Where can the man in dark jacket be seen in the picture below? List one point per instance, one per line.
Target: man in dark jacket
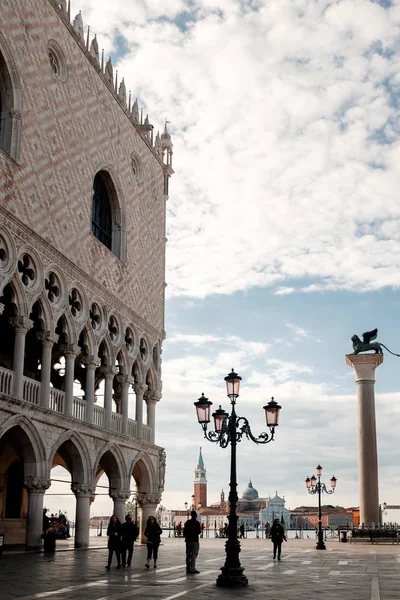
(129, 534)
(191, 532)
(277, 535)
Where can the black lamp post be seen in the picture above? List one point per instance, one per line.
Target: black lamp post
(316, 487)
(229, 429)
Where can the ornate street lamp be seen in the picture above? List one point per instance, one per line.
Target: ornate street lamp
(229, 429)
(316, 487)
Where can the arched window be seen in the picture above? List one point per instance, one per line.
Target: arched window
(10, 102)
(5, 106)
(106, 215)
(102, 211)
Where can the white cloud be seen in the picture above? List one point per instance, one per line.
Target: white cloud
(280, 118)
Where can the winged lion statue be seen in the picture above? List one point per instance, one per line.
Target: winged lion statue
(367, 343)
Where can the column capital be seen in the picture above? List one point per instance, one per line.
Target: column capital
(364, 365)
(36, 485)
(140, 388)
(120, 495)
(148, 499)
(83, 490)
(121, 378)
(2, 307)
(153, 396)
(70, 349)
(21, 323)
(91, 361)
(47, 337)
(108, 372)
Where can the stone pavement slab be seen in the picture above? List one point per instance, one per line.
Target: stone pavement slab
(342, 572)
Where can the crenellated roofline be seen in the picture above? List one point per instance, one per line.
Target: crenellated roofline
(160, 145)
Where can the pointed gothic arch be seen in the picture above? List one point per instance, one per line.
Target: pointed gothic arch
(10, 102)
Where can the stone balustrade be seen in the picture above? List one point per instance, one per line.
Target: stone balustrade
(31, 394)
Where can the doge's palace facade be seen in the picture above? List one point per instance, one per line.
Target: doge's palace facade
(83, 187)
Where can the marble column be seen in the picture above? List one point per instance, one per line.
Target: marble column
(71, 351)
(48, 339)
(139, 389)
(120, 497)
(91, 363)
(108, 374)
(151, 401)
(36, 488)
(125, 381)
(148, 504)
(83, 494)
(21, 326)
(364, 366)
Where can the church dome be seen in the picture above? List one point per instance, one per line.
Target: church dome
(250, 493)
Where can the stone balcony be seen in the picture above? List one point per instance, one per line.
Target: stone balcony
(31, 394)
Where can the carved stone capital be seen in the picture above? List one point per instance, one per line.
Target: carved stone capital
(123, 495)
(83, 490)
(91, 361)
(152, 397)
(124, 379)
(140, 388)
(36, 485)
(20, 323)
(364, 365)
(47, 337)
(148, 499)
(2, 307)
(108, 372)
(70, 349)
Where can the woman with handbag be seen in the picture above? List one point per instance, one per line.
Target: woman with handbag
(153, 534)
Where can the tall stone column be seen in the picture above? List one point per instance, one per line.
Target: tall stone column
(91, 362)
(83, 494)
(21, 326)
(120, 497)
(36, 488)
(139, 389)
(108, 374)
(71, 351)
(148, 504)
(48, 339)
(125, 381)
(151, 401)
(364, 366)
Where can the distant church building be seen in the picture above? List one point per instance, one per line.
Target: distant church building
(275, 509)
(215, 515)
(83, 188)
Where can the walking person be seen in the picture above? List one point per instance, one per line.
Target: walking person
(114, 541)
(191, 532)
(153, 534)
(277, 535)
(129, 534)
(241, 530)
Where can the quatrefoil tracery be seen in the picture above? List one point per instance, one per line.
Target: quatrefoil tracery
(113, 328)
(129, 340)
(75, 302)
(143, 349)
(95, 317)
(26, 270)
(53, 290)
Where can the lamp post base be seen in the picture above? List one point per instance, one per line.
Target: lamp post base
(232, 578)
(320, 546)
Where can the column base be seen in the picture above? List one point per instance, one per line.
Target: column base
(320, 546)
(81, 545)
(33, 548)
(232, 578)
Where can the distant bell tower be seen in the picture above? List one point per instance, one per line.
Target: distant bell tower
(200, 483)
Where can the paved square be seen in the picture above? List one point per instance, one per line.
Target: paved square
(342, 572)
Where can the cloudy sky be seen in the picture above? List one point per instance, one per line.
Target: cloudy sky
(283, 223)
